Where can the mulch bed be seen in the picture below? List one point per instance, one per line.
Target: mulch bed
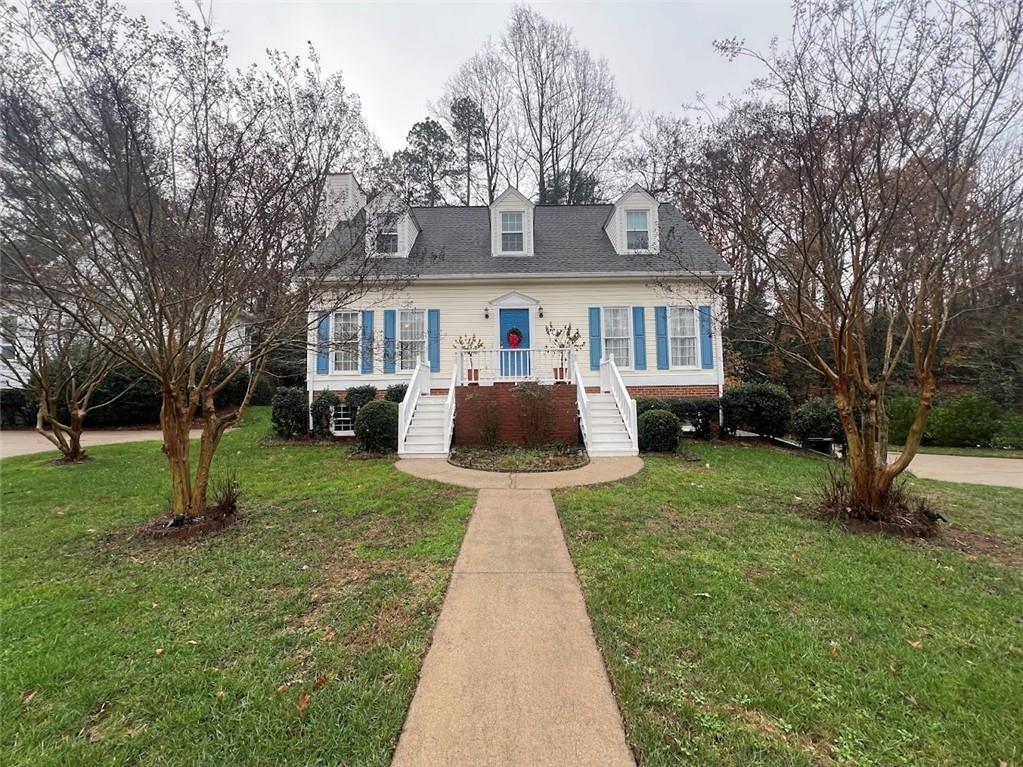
(510, 458)
(177, 528)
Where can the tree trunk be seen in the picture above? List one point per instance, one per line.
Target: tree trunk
(175, 420)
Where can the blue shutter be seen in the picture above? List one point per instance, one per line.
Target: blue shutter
(594, 338)
(433, 338)
(367, 342)
(706, 339)
(661, 326)
(323, 343)
(389, 341)
(639, 337)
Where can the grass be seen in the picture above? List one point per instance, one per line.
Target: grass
(969, 452)
(739, 631)
(119, 651)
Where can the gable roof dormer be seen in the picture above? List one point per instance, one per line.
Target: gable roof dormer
(391, 227)
(511, 224)
(633, 225)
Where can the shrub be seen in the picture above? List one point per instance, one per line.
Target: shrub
(650, 403)
(396, 392)
(376, 426)
(659, 431)
(16, 408)
(1010, 433)
(901, 413)
(701, 413)
(289, 412)
(322, 412)
(964, 421)
(761, 408)
(358, 396)
(817, 417)
(536, 412)
(140, 404)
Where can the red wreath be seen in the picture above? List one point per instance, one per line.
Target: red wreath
(514, 338)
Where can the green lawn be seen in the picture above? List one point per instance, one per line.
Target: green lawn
(329, 587)
(738, 631)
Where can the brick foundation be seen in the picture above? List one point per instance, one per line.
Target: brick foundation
(474, 405)
(688, 391)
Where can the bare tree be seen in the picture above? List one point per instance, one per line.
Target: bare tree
(59, 365)
(184, 202)
(892, 148)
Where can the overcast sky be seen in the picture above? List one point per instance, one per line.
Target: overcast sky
(397, 56)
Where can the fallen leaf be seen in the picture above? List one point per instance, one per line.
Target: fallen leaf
(703, 594)
(329, 634)
(192, 641)
(27, 697)
(159, 651)
(220, 694)
(915, 645)
(322, 681)
(834, 652)
(282, 689)
(303, 702)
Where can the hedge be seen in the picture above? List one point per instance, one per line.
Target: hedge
(321, 414)
(289, 412)
(817, 417)
(966, 421)
(659, 431)
(357, 396)
(762, 408)
(376, 426)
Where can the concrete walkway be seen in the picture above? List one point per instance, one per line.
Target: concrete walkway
(598, 470)
(1007, 472)
(513, 677)
(26, 441)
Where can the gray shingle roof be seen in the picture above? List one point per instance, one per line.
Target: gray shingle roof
(455, 241)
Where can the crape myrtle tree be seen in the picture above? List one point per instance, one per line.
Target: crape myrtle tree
(184, 202)
(60, 366)
(889, 154)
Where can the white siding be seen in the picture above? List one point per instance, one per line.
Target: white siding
(563, 301)
(615, 228)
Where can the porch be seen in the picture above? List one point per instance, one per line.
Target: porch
(479, 385)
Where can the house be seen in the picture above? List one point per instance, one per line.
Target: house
(634, 277)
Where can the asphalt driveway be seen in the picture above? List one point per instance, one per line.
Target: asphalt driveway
(1007, 472)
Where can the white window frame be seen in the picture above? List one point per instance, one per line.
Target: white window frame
(521, 231)
(389, 226)
(696, 339)
(646, 214)
(342, 417)
(400, 339)
(8, 337)
(630, 338)
(336, 343)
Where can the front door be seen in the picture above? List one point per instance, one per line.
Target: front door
(515, 343)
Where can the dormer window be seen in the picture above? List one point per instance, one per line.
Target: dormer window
(637, 230)
(511, 232)
(387, 237)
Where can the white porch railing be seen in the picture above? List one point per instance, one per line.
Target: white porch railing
(485, 366)
(582, 401)
(611, 381)
(449, 403)
(417, 385)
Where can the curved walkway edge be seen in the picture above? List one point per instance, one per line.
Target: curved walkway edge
(514, 677)
(597, 471)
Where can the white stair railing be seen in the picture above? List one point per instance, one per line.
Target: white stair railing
(449, 402)
(417, 385)
(611, 380)
(582, 401)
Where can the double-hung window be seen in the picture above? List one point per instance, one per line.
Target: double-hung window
(8, 337)
(511, 232)
(637, 230)
(387, 236)
(617, 336)
(682, 337)
(411, 338)
(346, 342)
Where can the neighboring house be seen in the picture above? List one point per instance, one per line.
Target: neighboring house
(634, 277)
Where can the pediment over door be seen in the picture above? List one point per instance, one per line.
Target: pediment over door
(514, 299)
